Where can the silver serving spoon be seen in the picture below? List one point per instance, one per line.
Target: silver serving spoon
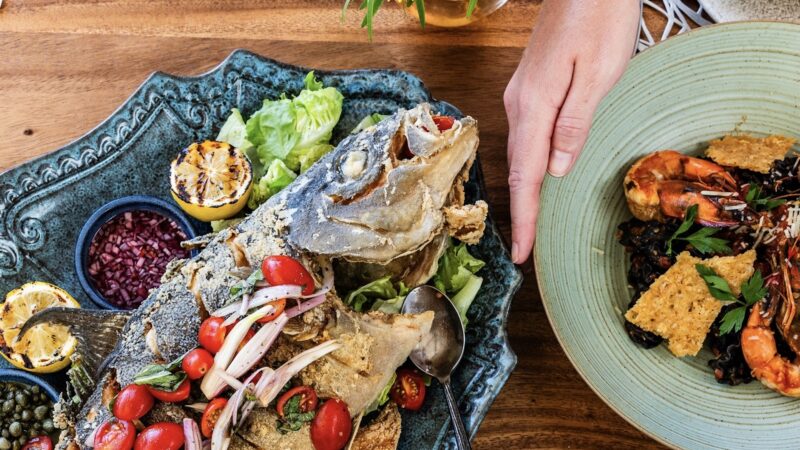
(440, 350)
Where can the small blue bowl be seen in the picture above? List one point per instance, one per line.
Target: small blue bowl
(109, 211)
(22, 377)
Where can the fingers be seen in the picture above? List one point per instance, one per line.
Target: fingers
(574, 121)
(531, 120)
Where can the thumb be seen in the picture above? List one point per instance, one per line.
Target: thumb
(572, 125)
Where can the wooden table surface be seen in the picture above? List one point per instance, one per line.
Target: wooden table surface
(66, 65)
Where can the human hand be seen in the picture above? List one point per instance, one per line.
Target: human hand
(577, 52)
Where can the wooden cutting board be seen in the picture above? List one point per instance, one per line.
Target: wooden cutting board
(66, 65)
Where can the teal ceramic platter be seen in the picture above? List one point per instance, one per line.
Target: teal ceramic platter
(679, 95)
(45, 202)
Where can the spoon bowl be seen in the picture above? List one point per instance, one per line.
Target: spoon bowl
(441, 349)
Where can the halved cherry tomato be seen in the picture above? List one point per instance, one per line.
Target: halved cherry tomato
(211, 415)
(133, 402)
(39, 443)
(443, 123)
(115, 435)
(279, 270)
(308, 399)
(212, 334)
(331, 427)
(408, 390)
(178, 395)
(197, 362)
(279, 306)
(160, 436)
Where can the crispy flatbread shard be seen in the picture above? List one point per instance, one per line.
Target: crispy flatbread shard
(382, 434)
(747, 152)
(678, 305)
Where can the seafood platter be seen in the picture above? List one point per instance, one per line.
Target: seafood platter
(683, 314)
(223, 263)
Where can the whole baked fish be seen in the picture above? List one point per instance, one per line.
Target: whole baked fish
(382, 202)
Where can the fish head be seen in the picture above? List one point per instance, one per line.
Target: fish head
(380, 195)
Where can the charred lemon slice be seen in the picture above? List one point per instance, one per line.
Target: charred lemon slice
(211, 180)
(44, 348)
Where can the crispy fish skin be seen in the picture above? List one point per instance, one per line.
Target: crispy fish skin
(386, 208)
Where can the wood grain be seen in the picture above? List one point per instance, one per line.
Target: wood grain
(67, 65)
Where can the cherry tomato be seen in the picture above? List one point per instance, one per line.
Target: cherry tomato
(160, 436)
(308, 399)
(211, 415)
(443, 123)
(279, 306)
(39, 443)
(179, 395)
(133, 402)
(197, 362)
(115, 435)
(408, 390)
(331, 427)
(286, 270)
(212, 334)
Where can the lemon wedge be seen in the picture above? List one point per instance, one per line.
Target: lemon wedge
(45, 348)
(211, 180)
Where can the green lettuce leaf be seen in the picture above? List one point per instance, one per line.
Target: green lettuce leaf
(464, 298)
(234, 131)
(303, 158)
(383, 397)
(367, 122)
(278, 176)
(379, 295)
(456, 266)
(297, 126)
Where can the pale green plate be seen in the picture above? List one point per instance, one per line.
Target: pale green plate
(679, 95)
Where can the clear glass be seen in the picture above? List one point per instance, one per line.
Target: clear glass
(453, 13)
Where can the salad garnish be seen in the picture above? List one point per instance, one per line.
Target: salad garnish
(702, 240)
(752, 291)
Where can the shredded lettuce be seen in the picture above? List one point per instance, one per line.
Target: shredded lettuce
(383, 397)
(379, 295)
(219, 225)
(278, 176)
(367, 122)
(456, 277)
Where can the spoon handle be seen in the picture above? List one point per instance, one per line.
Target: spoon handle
(458, 426)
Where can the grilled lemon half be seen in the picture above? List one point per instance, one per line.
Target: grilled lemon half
(211, 180)
(45, 348)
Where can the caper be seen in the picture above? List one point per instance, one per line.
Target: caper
(37, 426)
(8, 405)
(47, 425)
(15, 429)
(5, 432)
(5, 444)
(35, 389)
(27, 415)
(16, 445)
(22, 399)
(16, 416)
(41, 412)
(22, 440)
(17, 408)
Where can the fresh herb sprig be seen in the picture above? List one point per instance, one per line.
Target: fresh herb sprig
(246, 286)
(757, 200)
(702, 240)
(164, 377)
(752, 290)
(293, 417)
(371, 7)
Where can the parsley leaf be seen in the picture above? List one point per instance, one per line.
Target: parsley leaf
(701, 239)
(733, 320)
(717, 285)
(757, 200)
(293, 417)
(753, 290)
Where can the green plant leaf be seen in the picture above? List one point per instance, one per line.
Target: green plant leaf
(733, 320)
(471, 8)
(705, 244)
(757, 200)
(344, 8)
(688, 221)
(421, 11)
(717, 285)
(753, 289)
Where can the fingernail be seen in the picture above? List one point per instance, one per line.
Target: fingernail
(514, 252)
(559, 163)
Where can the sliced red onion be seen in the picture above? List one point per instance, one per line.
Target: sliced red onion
(257, 347)
(198, 406)
(212, 381)
(305, 306)
(243, 308)
(191, 435)
(261, 297)
(269, 387)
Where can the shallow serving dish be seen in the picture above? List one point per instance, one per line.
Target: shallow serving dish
(22, 377)
(678, 95)
(44, 203)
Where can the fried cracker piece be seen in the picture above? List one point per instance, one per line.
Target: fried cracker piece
(678, 305)
(468, 222)
(382, 434)
(747, 152)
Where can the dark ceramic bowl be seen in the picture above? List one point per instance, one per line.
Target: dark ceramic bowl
(109, 211)
(22, 377)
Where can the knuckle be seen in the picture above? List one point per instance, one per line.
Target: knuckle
(518, 181)
(569, 132)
